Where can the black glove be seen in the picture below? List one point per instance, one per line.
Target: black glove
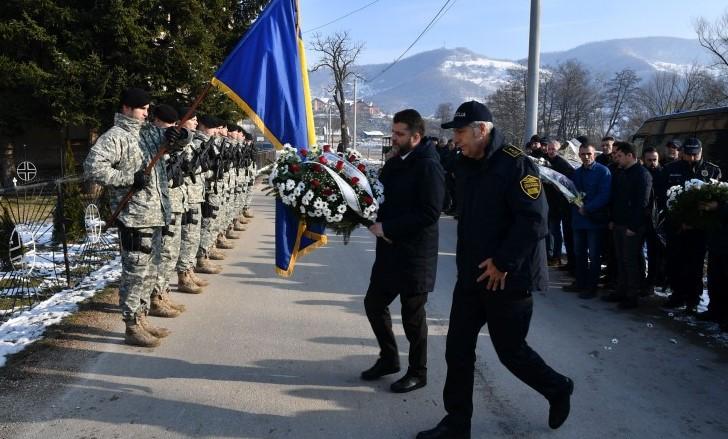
(173, 135)
(140, 180)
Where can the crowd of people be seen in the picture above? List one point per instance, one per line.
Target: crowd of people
(622, 245)
(184, 209)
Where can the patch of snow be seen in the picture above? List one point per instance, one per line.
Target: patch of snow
(29, 326)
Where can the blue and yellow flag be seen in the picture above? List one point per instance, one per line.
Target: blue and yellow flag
(267, 76)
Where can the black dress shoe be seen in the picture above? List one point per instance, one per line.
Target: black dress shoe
(408, 383)
(379, 369)
(708, 316)
(613, 297)
(443, 431)
(573, 288)
(629, 303)
(560, 407)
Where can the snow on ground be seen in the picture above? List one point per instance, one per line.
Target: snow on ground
(29, 326)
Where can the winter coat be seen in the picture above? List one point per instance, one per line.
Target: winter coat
(595, 181)
(502, 215)
(414, 189)
(631, 190)
(124, 149)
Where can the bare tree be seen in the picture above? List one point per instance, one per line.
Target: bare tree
(443, 114)
(508, 104)
(671, 92)
(618, 96)
(338, 55)
(714, 37)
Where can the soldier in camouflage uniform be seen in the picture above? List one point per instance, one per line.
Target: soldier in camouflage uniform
(162, 305)
(252, 170)
(208, 126)
(117, 160)
(187, 280)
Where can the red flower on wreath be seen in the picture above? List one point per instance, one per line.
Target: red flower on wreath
(294, 168)
(315, 183)
(327, 191)
(369, 200)
(303, 152)
(339, 165)
(355, 180)
(317, 167)
(361, 167)
(322, 160)
(352, 158)
(327, 148)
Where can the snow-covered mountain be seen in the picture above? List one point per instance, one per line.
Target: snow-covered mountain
(425, 80)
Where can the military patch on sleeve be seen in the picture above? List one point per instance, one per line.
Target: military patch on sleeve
(512, 151)
(531, 186)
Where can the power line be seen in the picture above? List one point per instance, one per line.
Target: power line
(342, 17)
(437, 16)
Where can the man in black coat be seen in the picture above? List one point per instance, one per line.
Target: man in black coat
(407, 243)
(631, 189)
(501, 258)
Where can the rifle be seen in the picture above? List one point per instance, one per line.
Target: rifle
(162, 150)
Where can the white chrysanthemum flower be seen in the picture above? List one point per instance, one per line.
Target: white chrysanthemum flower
(286, 200)
(341, 208)
(303, 209)
(290, 184)
(332, 198)
(319, 203)
(301, 186)
(318, 212)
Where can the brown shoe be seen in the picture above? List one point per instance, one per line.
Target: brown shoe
(160, 308)
(230, 234)
(186, 285)
(204, 266)
(247, 214)
(223, 244)
(156, 331)
(238, 227)
(243, 220)
(167, 298)
(136, 335)
(216, 255)
(198, 280)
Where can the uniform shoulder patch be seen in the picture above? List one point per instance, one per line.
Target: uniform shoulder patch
(531, 186)
(512, 151)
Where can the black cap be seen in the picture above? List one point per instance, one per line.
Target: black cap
(674, 143)
(183, 111)
(467, 113)
(135, 98)
(166, 113)
(692, 145)
(207, 121)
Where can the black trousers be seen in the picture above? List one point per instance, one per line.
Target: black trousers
(376, 304)
(655, 258)
(628, 254)
(718, 284)
(686, 258)
(508, 315)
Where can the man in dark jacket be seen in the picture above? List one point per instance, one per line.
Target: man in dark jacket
(655, 248)
(631, 190)
(717, 267)
(558, 208)
(407, 242)
(686, 247)
(501, 258)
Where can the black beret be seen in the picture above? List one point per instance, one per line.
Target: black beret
(166, 113)
(135, 98)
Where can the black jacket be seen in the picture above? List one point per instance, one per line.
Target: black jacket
(414, 189)
(676, 173)
(631, 190)
(503, 215)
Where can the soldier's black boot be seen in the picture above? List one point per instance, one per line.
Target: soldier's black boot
(561, 406)
(444, 431)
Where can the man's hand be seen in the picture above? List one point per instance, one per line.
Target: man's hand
(173, 135)
(628, 232)
(610, 225)
(708, 205)
(582, 211)
(496, 278)
(140, 180)
(378, 231)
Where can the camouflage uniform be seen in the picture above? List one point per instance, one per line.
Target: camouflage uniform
(195, 198)
(171, 237)
(211, 211)
(112, 161)
(252, 168)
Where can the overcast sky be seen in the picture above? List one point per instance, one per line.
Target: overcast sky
(498, 28)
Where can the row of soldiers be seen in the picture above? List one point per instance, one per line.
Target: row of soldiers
(187, 207)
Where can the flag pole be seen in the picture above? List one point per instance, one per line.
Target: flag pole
(162, 150)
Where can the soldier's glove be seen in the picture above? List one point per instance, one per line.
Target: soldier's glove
(140, 180)
(173, 136)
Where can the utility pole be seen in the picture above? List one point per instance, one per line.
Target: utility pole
(534, 54)
(355, 112)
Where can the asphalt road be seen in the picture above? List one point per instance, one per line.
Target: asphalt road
(257, 356)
